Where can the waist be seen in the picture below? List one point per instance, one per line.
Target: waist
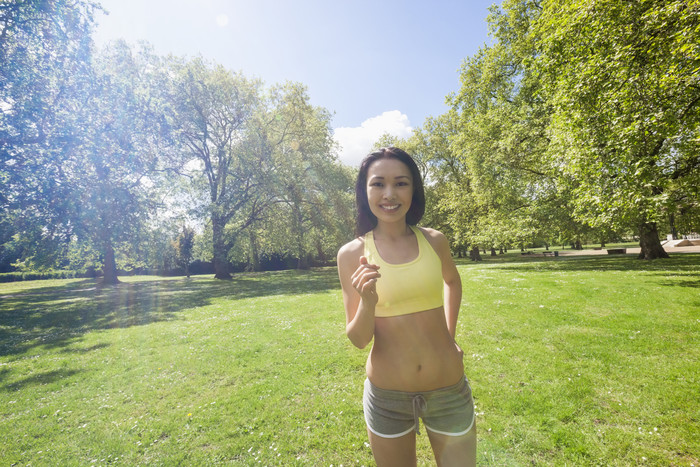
(414, 353)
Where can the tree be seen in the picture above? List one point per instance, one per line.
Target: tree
(120, 153)
(500, 117)
(45, 52)
(623, 77)
(211, 111)
(80, 133)
(308, 183)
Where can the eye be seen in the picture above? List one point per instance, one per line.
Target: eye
(378, 184)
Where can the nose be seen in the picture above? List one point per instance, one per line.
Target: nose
(389, 192)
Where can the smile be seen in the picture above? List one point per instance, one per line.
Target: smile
(392, 207)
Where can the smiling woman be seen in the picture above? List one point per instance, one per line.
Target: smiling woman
(393, 277)
(389, 164)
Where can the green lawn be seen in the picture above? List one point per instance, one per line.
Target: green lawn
(573, 361)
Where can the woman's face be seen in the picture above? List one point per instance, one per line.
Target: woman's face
(389, 189)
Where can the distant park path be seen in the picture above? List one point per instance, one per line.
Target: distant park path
(630, 251)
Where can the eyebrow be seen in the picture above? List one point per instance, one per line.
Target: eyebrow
(382, 178)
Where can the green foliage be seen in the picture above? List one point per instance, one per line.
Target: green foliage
(79, 133)
(96, 178)
(579, 119)
(507, 192)
(212, 116)
(39, 275)
(311, 210)
(267, 169)
(623, 79)
(45, 52)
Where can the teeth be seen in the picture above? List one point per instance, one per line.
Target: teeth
(394, 206)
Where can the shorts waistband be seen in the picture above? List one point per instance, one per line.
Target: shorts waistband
(394, 394)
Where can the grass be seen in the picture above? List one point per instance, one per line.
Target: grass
(573, 361)
(586, 361)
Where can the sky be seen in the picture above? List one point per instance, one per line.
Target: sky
(379, 66)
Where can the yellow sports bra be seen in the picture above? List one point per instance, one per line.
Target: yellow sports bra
(408, 287)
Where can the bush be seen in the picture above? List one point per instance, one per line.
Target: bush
(33, 276)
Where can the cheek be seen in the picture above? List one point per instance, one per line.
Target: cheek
(374, 192)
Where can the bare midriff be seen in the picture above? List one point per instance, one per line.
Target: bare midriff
(414, 353)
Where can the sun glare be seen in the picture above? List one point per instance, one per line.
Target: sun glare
(222, 20)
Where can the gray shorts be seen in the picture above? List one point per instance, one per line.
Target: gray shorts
(391, 414)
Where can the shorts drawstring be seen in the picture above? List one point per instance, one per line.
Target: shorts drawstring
(419, 405)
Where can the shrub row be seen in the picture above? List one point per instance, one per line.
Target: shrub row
(33, 276)
(267, 263)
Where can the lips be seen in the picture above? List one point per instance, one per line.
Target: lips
(390, 207)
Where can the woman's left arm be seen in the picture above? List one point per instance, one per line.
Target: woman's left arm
(453, 283)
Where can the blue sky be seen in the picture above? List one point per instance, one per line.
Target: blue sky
(377, 65)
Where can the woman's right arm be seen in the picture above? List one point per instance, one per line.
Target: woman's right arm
(358, 281)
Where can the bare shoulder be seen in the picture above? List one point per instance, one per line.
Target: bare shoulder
(439, 242)
(436, 238)
(351, 251)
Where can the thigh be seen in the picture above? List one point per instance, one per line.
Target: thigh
(389, 452)
(453, 451)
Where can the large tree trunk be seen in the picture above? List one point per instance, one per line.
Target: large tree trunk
(650, 243)
(109, 269)
(474, 254)
(220, 251)
(304, 262)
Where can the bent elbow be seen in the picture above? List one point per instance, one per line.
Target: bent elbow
(358, 341)
(454, 284)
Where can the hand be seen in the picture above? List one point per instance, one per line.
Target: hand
(364, 280)
(459, 350)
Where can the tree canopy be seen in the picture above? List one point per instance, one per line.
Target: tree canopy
(580, 118)
(578, 121)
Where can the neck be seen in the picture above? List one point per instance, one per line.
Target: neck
(392, 230)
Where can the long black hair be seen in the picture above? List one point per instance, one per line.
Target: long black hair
(367, 221)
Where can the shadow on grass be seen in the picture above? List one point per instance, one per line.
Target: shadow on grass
(39, 379)
(55, 317)
(683, 280)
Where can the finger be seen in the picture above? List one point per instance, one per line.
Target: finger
(362, 269)
(370, 286)
(359, 281)
(369, 274)
(363, 277)
(365, 262)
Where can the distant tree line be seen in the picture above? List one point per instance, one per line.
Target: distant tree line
(578, 122)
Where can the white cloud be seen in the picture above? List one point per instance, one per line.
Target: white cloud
(356, 142)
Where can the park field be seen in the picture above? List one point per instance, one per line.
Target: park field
(572, 361)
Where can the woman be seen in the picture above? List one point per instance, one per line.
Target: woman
(402, 289)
